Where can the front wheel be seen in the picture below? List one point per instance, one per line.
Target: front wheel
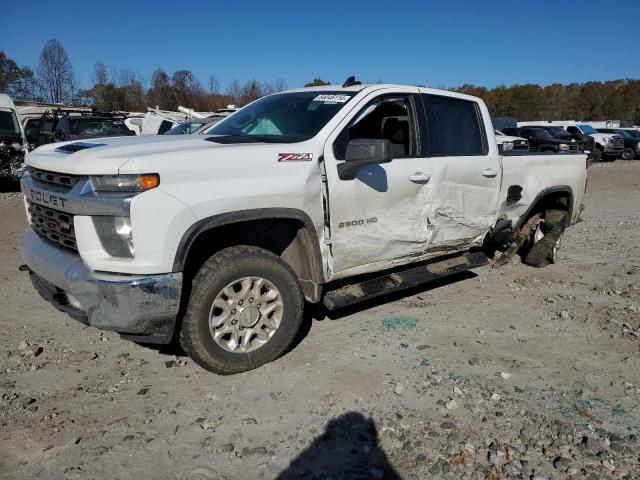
(628, 154)
(244, 310)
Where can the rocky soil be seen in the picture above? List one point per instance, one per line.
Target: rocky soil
(502, 373)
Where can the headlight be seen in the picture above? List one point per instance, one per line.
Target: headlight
(563, 147)
(506, 146)
(125, 183)
(115, 235)
(638, 146)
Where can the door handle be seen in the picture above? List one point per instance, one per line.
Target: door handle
(490, 172)
(420, 177)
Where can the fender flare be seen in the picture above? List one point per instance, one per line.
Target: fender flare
(223, 219)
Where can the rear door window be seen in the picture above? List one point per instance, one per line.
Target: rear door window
(455, 127)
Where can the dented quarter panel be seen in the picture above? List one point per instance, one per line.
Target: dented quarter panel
(536, 173)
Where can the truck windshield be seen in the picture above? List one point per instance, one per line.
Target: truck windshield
(281, 118)
(98, 127)
(588, 129)
(558, 132)
(634, 133)
(9, 124)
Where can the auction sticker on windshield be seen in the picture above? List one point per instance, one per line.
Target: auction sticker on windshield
(295, 157)
(331, 98)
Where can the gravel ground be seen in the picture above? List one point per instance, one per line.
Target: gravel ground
(503, 373)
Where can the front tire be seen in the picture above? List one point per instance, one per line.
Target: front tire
(628, 154)
(244, 310)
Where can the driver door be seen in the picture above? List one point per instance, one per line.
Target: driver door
(382, 216)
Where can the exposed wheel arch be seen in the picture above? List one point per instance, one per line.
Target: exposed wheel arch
(559, 197)
(289, 233)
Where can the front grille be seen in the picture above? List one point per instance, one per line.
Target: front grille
(53, 225)
(617, 142)
(63, 180)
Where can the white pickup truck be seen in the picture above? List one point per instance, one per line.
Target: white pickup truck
(327, 194)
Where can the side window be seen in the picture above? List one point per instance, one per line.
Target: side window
(573, 130)
(387, 118)
(455, 127)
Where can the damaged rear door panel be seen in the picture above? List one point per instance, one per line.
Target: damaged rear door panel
(467, 173)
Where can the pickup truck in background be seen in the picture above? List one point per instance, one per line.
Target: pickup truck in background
(332, 194)
(542, 141)
(507, 143)
(611, 146)
(631, 142)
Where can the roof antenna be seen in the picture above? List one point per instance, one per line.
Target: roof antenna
(351, 81)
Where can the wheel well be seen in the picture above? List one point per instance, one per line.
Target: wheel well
(557, 200)
(287, 238)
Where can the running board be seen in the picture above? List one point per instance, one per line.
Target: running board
(393, 282)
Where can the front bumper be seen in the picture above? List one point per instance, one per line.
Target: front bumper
(141, 307)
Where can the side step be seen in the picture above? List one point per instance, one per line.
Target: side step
(393, 282)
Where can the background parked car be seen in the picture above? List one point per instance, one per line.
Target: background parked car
(12, 141)
(631, 142)
(542, 141)
(586, 143)
(62, 125)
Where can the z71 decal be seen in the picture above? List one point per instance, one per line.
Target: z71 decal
(295, 157)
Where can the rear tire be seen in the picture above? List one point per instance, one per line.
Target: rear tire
(213, 336)
(543, 251)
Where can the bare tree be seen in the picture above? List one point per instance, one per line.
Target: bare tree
(234, 91)
(100, 75)
(55, 73)
(214, 85)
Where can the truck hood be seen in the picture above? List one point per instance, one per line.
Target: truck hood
(599, 137)
(105, 156)
(507, 138)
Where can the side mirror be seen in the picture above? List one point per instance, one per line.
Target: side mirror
(361, 152)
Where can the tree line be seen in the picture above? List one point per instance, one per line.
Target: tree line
(126, 90)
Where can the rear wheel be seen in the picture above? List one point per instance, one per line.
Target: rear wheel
(244, 310)
(545, 240)
(628, 154)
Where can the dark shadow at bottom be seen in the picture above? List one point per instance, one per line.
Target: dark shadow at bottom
(348, 449)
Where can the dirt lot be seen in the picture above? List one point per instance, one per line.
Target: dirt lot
(510, 373)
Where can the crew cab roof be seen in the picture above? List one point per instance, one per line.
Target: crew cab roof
(378, 86)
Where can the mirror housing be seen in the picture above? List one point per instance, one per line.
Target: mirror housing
(361, 152)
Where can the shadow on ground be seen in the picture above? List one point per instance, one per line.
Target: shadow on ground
(348, 449)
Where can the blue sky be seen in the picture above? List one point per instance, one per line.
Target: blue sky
(433, 43)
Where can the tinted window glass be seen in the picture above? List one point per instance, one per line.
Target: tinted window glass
(455, 128)
(573, 130)
(386, 118)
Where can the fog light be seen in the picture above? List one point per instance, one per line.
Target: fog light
(115, 235)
